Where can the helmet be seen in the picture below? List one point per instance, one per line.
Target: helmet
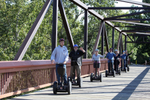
(75, 45)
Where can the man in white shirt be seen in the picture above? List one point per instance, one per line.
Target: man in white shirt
(60, 56)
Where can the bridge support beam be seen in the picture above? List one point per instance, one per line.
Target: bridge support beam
(125, 43)
(121, 45)
(66, 25)
(106, 39)
(22, 50)
(102, 42)
(55, 20)
(86, 34)
(98, 36)
(118, 45)
(113, 43)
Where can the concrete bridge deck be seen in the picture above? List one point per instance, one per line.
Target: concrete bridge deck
(134, 85)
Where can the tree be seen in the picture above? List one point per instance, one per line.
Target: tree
(17, 17)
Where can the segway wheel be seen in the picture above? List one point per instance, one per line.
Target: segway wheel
(69, 87)
(114, 74)
(80, 82)
(91, 77)
(106, 73)
(55, 87)
(128, 68)
(101, 77)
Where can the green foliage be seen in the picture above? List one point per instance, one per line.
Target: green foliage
(17, 17)
(141, 52)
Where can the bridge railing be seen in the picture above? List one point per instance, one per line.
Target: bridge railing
(17, 77)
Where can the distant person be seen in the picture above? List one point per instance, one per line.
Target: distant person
(124, 57)
(110, 56)
(76, 61)
(96, 60)
(116, 61)
(60, 56)
(127, 57)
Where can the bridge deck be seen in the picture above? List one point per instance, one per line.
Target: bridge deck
(134, 85)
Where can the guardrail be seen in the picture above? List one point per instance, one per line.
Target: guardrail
(17, 77)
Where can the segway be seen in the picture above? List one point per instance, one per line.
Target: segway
(112, 72)
(117, 69)
(62, 87)
(123, 68)
(94, 76)
(77, 82)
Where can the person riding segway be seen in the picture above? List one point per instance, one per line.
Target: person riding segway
(110, 56)
(123, 58)
(60, 56)
(116, 63)
(127, 58)
(96, 64)
(76, 63)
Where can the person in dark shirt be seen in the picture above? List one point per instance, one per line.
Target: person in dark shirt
(76, 61)
(116, 61)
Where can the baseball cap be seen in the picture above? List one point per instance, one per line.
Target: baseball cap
(75, 45)
(61, 39)
(96, 50)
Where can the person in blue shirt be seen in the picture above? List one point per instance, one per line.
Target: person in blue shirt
(110, 56)
(60, 56)
(124, 57)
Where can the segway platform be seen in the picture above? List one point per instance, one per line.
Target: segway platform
(99, 77)
(110, 74)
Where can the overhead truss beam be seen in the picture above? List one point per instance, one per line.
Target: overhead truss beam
(130, 31)
(143, 24)
(117, 8)
(138, 13)
(94, 13)
(135, 2)
(137, 26)
(130, 19)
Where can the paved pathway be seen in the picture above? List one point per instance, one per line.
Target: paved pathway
(134, 85)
